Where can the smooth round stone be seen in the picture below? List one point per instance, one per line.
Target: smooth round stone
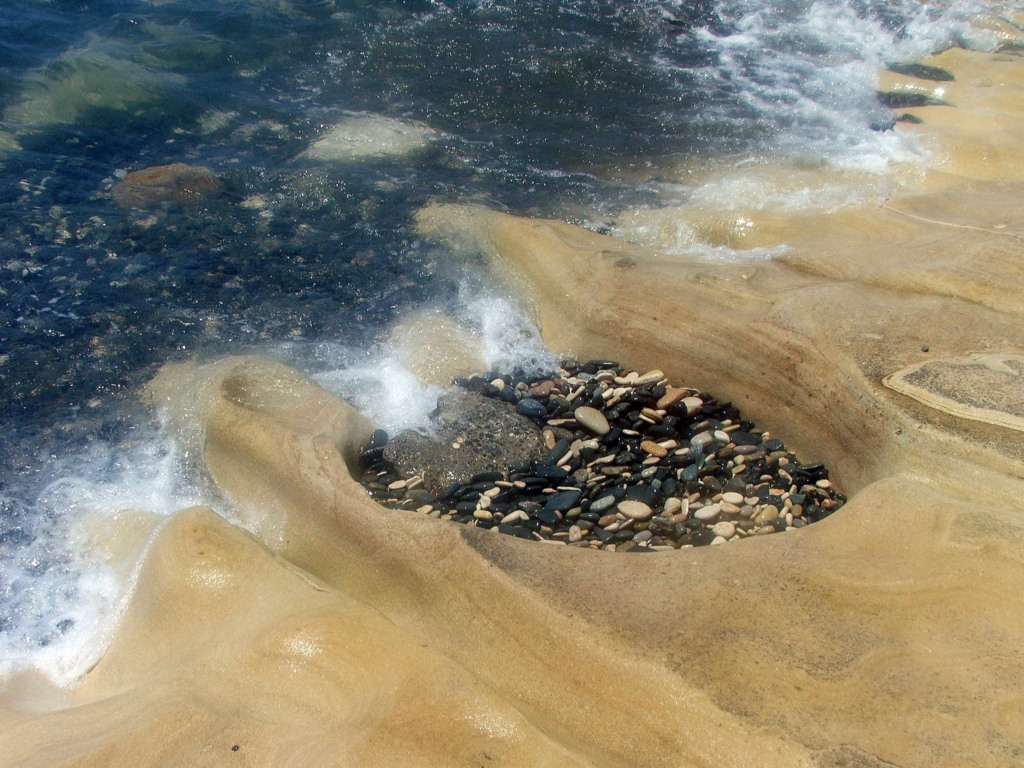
(592, 419)
(710, 512)
(575, 534)
(651, 447)
(398, 485)
(483, 514)
(635, 510)
(532, 408)
(702, 440)
(733, 498)
(724, 529)
(646, 494)
(602, 503)
(672, 506)
(767, 514)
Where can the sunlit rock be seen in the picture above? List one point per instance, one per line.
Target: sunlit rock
(370, 136)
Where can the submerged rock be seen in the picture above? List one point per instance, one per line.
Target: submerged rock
(370, 136)
(176, 182)
(472, 435)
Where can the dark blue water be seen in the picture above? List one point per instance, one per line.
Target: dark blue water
(539, 108)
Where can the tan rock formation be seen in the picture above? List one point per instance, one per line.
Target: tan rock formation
(888, 634)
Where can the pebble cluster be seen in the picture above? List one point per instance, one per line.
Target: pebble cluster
(632, 464)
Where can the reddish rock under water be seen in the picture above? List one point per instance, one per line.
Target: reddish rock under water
(179, 182)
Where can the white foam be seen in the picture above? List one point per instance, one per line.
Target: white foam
(804, 74)
(509, 338)
(380, 385)
(807, 70)
(380, 382)
(63, 593)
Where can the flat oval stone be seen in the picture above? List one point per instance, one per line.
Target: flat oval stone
(563, 500)
(643, 493)
(635, 510)
(530, 407)
(672, 395)
(591, 419)
(602, 503)
(653, 448)
(557, 451)
(733, 498)
(710, 512)
(651, 377)
(701, 440)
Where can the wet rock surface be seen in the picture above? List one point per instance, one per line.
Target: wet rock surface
(473, 434)
(177, 182)
(600, 457)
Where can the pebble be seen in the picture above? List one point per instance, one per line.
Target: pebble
(651, 377)
(532, 408)
(653, 448)
(672, 396)
(635, 510)
(592, 419)
(709, 512)
(701, 440)
(693, 404)
(724, 529)
(633, 445)
(769, 513)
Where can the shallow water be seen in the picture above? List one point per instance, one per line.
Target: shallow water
(582, 110)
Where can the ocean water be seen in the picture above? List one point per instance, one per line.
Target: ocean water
(579, 110)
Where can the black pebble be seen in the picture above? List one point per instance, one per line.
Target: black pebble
(532, 408)
(562, 501)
